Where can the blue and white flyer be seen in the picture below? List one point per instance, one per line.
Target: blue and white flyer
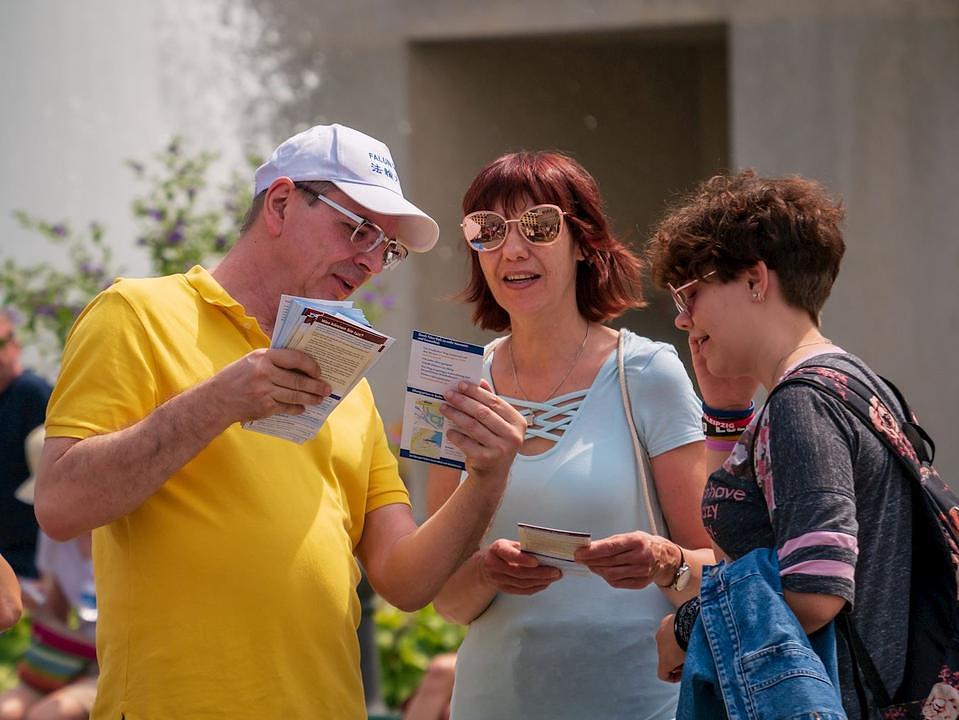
(437, 364)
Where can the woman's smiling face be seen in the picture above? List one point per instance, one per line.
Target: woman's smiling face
(714, 318)
(528, 279)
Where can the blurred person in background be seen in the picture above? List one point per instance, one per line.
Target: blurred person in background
(23, 404)
(58, 674)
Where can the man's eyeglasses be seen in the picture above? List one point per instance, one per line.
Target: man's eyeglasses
(367, 235)
(6, 340)
(679, 298)
(486, 230)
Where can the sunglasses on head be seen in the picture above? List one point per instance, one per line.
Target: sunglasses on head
(486, 230)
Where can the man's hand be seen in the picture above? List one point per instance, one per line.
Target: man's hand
(486, 428)
(268, 382)
(631, 560)
(506, 568)
(671, 656)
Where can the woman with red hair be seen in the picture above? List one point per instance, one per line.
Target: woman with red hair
(577, 640)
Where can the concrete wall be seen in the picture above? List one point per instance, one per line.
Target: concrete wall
(868, 103)
(644, 115)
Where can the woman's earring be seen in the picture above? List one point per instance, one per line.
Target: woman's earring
(757, 297)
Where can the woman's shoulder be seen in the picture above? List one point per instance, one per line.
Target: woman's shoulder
(641, 353)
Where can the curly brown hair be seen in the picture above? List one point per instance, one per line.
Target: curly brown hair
(608, 281)
(731, 222)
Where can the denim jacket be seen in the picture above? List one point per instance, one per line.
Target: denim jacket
(749, 658)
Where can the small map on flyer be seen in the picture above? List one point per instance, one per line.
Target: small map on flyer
(436, 365)
(338, 337)
(554, 547)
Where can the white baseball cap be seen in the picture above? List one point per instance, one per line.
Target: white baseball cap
(357, 164)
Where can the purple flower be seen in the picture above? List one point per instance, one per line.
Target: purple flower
(142, 241)
(156, 213)
(219, 244)
(368, 296)
(91, 271)
(175, 236)
(59, 229)
(387, 302)
(45, 310)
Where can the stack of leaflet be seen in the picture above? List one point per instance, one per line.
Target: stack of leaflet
(339, 338)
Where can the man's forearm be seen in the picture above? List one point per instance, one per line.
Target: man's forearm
(422, 561)
(104, 477)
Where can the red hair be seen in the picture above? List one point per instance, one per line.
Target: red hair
(608, 280)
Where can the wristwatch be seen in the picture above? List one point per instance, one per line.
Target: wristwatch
(682, 575)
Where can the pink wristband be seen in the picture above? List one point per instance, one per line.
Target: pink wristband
(725, 446)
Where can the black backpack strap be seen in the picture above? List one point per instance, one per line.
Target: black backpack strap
(863, 667)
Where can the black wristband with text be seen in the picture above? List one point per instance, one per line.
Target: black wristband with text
(683, 622)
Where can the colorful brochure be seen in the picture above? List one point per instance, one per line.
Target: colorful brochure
(437, 364)
(337, 336)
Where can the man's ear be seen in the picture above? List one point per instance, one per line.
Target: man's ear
(275, 204)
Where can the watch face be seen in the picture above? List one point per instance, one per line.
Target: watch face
(682, 578)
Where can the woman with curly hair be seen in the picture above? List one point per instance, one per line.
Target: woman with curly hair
(750, 262)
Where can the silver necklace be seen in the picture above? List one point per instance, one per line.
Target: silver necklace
(569, 372)
(820, 341)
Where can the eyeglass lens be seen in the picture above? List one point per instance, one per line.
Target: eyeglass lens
(486, 230)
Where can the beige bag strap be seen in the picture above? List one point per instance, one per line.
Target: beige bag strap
(642, 459)
(493, 345)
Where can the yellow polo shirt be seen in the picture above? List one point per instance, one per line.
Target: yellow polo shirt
(231, 592)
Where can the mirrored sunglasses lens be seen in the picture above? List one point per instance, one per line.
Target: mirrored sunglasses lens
(484, 230)
(541, 224)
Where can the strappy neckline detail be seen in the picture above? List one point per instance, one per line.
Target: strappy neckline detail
(551, 419)
(558, 413)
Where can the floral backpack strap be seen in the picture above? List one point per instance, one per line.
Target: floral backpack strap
(912, 446)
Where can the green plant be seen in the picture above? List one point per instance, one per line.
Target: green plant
(177, 229)
(48, 298)
(406, 643)
(13, 643)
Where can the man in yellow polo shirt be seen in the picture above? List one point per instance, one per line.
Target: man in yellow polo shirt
(225, 559)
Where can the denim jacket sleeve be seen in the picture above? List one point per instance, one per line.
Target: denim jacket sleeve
(749, 658)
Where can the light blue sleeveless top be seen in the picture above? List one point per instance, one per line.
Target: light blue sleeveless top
(582, 649)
